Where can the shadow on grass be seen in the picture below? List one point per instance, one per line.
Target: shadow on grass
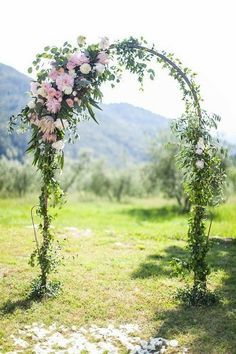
(154, 214)
(157, 265)
(10, 306)
(210, 329)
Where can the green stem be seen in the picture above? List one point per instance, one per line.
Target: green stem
(199, 248)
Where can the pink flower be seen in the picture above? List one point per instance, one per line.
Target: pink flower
(46, 124)
(65, 83)
(51, 92)
(77, 60)
(34, 119)
(70, 102)
(53, 105)
(49, 137)
(53, 74)
(34, 87)
(70, 65)
(46, 86)
(103, 58)
(58, 95)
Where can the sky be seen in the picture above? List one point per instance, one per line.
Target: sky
(201, 33)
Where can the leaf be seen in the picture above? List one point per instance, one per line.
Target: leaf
(91, 112)
(30, 70)
(95, 104)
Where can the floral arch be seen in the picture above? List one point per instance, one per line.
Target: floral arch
(68, 89)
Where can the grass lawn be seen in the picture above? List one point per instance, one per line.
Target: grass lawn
(118, 272)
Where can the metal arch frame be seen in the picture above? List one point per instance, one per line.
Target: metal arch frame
(176, 68)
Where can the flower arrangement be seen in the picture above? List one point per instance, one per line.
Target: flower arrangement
(66, 87)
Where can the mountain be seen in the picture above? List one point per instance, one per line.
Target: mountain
(123, 131)
(13, 87)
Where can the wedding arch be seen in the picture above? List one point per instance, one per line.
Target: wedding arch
(67, 89)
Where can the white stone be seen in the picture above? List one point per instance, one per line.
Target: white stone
(173, 343)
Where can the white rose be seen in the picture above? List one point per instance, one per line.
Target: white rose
(85, 68)
(104, 43)
(200, 164)
(99, 68)
(31, 104)
(61, 124)
(199, 151)
(81, 40)
(58, 145)
(67, 90)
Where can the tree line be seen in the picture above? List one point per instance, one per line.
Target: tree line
(95, 177)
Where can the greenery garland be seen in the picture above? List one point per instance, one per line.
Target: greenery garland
(67, 90)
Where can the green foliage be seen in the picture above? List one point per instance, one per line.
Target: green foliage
(196, 296)
(200, 159)
(163, 172)
(16, 178)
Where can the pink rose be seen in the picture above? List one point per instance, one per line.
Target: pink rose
(70, 102)
(53, 105)
(103, 58)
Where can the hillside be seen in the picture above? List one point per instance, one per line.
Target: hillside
(123, 131)
(13, 87)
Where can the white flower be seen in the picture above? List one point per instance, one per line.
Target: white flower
(78, 101)
(72, 73)
(61, 124)
(58, 145)
(85, 68)
(199, 151)
(31, 104)
(200, 164)
(99, 68)
(74, 93)
(200, 144)
(81, 40)
(104, 43)
(67, 90)
(41, 92)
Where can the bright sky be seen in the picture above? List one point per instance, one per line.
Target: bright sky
(200, 32)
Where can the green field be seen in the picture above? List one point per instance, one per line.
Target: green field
(117, 271)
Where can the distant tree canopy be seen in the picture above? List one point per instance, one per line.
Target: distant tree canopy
(163, 172)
